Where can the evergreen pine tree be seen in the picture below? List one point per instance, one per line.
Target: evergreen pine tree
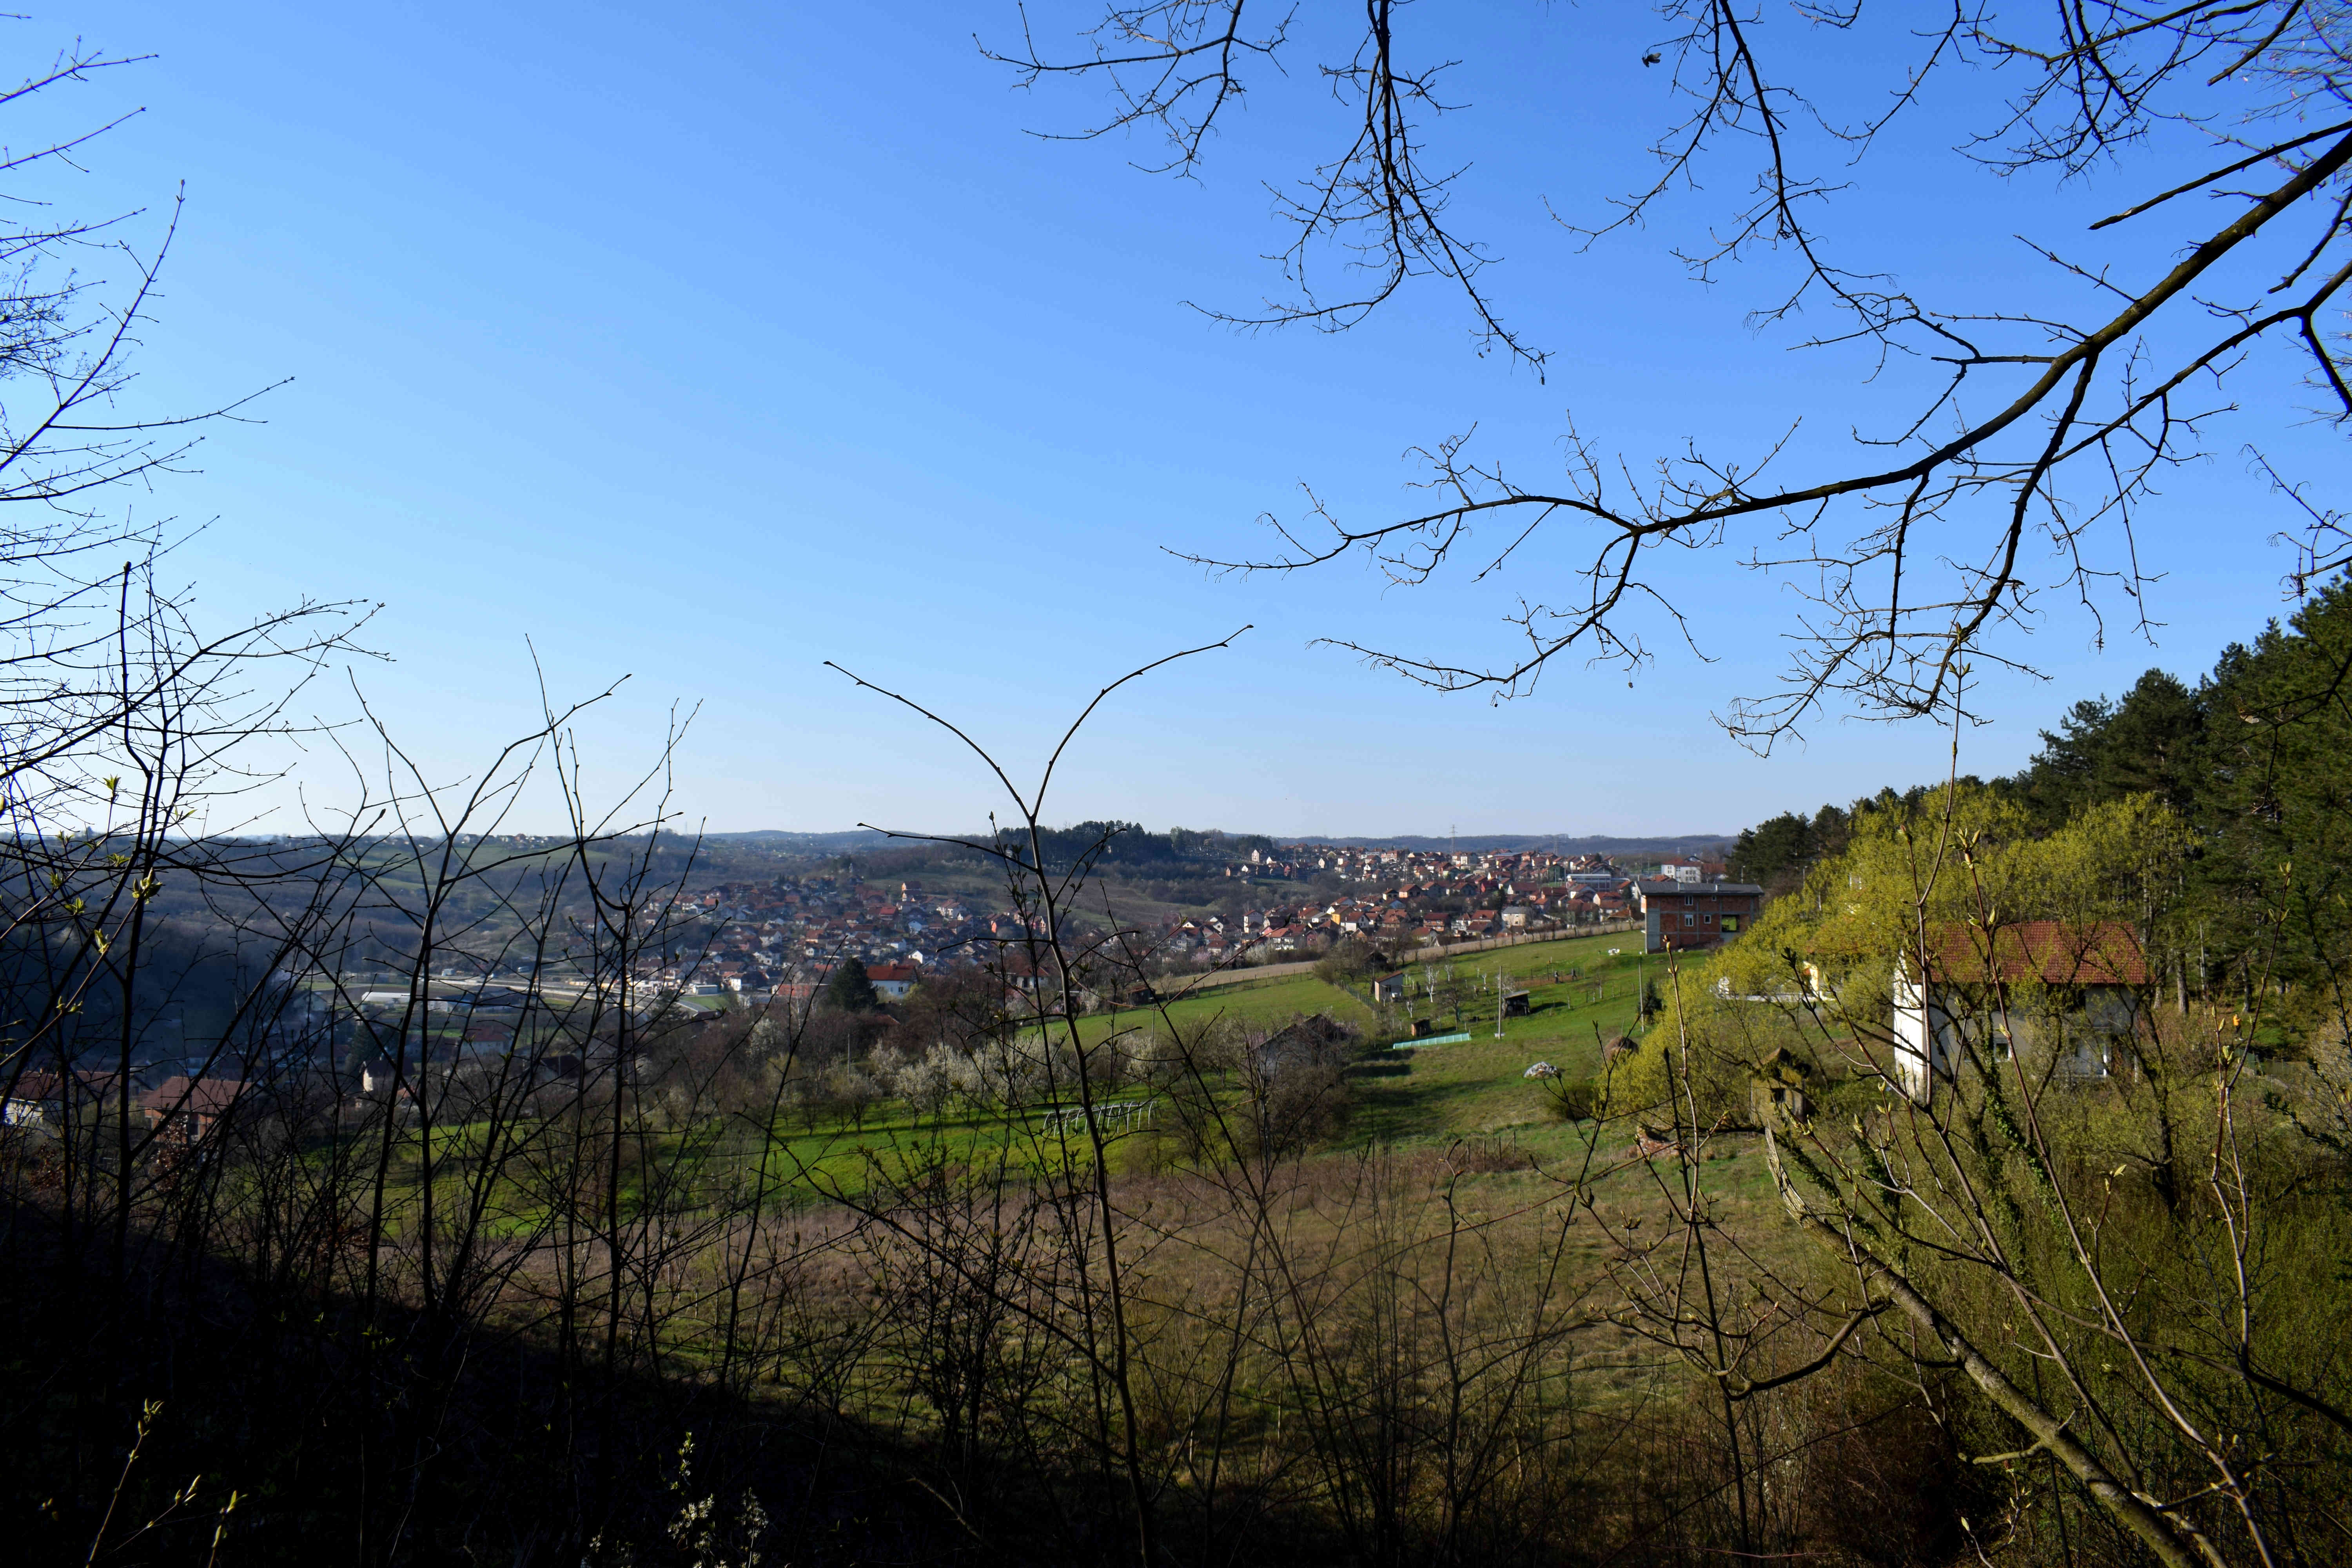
(850, 989)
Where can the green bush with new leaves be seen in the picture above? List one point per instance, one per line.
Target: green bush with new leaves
(1961, 856)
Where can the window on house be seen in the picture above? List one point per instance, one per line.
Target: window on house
(1689, 920)
(1709, 921)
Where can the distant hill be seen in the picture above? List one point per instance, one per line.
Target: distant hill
(1664, 844)
(806, 843)
(863, 839)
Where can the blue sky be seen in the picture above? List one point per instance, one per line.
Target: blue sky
(703, 344)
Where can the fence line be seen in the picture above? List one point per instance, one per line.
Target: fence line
(1132, 1115)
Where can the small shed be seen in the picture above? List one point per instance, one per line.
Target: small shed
(1776, 1092)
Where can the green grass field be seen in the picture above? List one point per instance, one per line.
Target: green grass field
(1407, 1095)
(1580, 996)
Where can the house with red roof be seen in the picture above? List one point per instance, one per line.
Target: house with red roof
(2052, 1000)
(186, 1110)
(894, 980)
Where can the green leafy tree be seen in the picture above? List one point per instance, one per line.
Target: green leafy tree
(1350, 961)
(2039, 1228)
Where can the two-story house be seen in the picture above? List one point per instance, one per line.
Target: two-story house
(1682, 914)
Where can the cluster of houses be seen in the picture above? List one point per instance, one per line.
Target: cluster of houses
(1428, 897)
(777, 937)
(1351, 864)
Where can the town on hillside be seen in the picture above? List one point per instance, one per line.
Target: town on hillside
(779, 938)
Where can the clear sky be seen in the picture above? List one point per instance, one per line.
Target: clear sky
(704, 344)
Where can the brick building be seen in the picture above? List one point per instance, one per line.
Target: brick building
(183, 1109)
(1678, 914)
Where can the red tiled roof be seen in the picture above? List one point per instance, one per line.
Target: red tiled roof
(2100, 953)
(203, 1096)
(42, 1084)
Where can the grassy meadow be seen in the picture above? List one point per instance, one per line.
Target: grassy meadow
(1401, 1097)
(1580, 995)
